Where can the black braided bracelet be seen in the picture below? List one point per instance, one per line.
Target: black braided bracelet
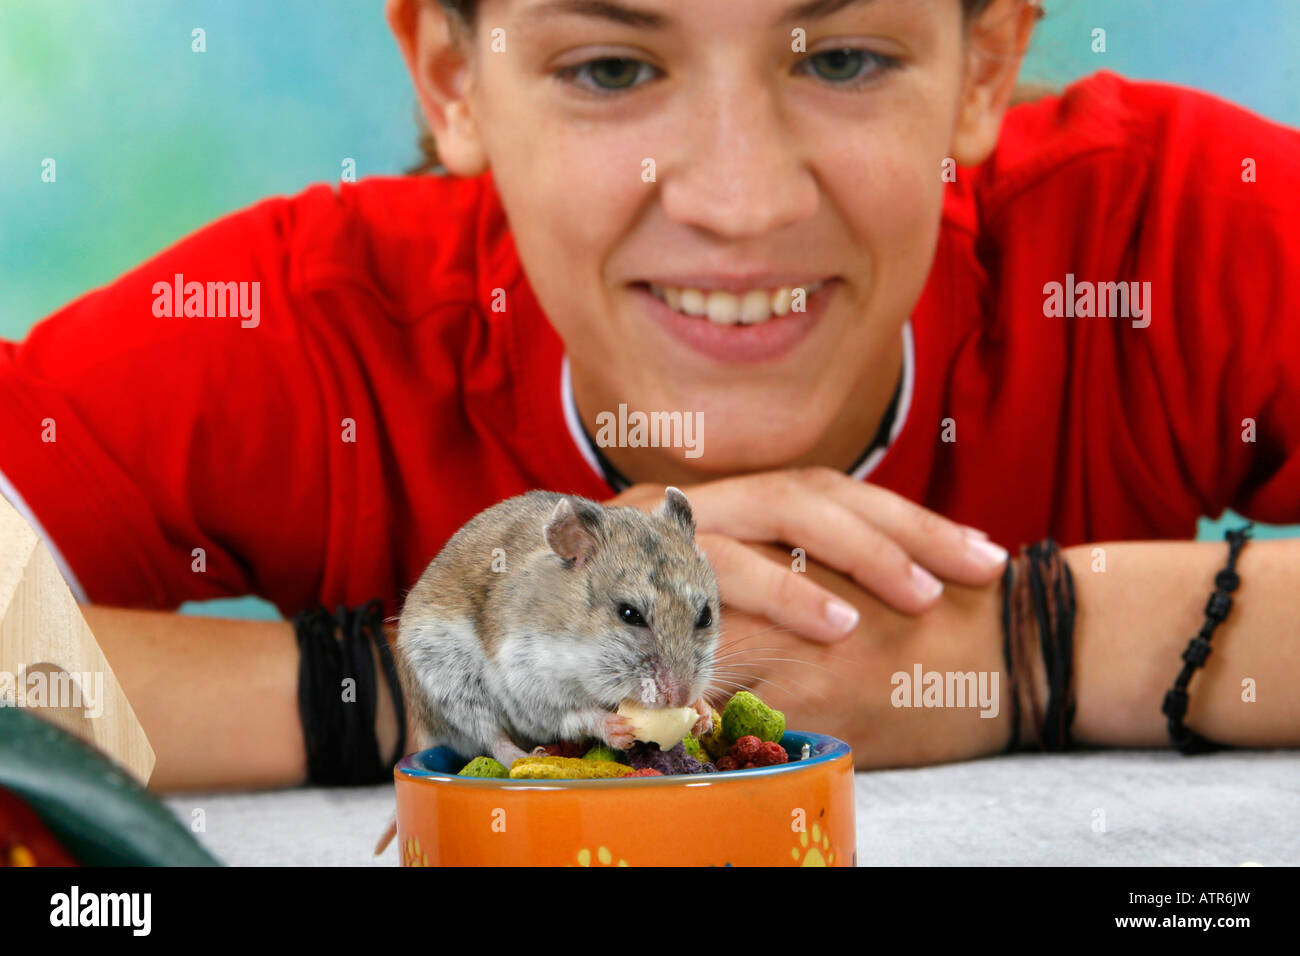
(1198, 649)
(1056, 636)
(339, 727)
(1007, 577)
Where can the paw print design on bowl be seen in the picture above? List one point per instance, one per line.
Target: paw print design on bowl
(815, 852)
(412, 855)
(602, 858)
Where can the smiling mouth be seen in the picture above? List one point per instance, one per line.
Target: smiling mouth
(751, 307)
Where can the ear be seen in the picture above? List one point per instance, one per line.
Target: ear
(570, 531)
(437, 47)
(677, 508)
(994, 51)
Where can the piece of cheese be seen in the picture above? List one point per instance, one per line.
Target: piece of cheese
(664, 726)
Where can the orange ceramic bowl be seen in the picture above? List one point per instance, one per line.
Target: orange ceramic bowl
(799, 813)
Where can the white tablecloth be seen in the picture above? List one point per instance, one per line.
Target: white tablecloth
(1113, 807)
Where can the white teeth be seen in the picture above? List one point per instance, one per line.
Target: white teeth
(755, 306)
(693, 302)
(724, 308)
(730, 308)
(781, 301)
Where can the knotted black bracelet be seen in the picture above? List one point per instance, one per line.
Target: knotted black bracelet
(1198, 649)
(339, 728)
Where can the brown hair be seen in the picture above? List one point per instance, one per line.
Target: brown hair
(464, 12)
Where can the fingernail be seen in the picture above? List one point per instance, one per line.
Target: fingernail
(843, 617)
(973, 532)
(927, 585)
(987, 551)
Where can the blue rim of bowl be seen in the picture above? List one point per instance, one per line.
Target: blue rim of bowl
(437, 763)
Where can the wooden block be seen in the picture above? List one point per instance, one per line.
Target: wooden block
(49, 660)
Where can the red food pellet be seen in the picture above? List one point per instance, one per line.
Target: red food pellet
(566, 748)
(749, 766)
(771, 753)
(745, 749)
(726, 763)
(645, 772)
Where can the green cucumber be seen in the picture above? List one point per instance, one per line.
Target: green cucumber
(98, 811)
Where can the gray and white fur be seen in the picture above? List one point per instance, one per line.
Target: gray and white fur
(518, 633)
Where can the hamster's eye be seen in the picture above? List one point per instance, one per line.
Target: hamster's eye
(630, 615)
(705, 618)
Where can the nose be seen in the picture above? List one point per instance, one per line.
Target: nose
(741, 174)
(672, 692)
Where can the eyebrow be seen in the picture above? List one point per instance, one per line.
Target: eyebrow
(649, 20)
(819, 9)
(599, 10)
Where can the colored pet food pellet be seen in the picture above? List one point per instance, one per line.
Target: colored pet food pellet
(484, 767)
(565, 768)
(714, 743)
(746, 715)
(668, 762)
(599, 752)
(745, 749)
(693, 747)
(746, 735)
(565, 748)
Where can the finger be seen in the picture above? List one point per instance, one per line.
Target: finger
(824, 528)
(945, 548)
(750, 582)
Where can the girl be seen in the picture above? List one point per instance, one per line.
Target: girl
(894, 309)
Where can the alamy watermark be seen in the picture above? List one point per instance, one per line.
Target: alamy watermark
(208, 300)
(58, 688)
(651, 430)
(1104, 300)
(946, 689)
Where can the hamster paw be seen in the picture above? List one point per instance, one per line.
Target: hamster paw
(505, 752)
(618, 731)
(705, 723)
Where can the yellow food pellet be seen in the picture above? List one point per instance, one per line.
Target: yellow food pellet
(566, 768)
(584, 857)
(604, 855)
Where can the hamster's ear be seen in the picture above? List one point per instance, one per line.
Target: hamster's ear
(571, 530)
(677, 508)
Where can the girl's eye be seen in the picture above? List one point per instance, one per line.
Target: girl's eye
(610, 74)
(705, 618)
(848, 67)
(630, 615)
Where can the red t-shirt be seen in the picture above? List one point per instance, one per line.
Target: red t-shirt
(177, 433)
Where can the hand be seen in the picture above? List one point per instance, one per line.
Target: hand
(845, 690)
(891, 547)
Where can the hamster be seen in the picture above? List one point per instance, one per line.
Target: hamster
(545, 612)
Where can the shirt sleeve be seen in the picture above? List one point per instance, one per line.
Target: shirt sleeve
(170, 456)
(1220, 241)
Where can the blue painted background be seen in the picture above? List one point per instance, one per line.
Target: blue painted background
(153, 141)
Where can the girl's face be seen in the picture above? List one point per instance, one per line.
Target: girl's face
(659, 158)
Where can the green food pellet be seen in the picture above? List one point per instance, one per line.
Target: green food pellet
(601, 752)
(745, 714)
(695, 749)
(484, 767)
